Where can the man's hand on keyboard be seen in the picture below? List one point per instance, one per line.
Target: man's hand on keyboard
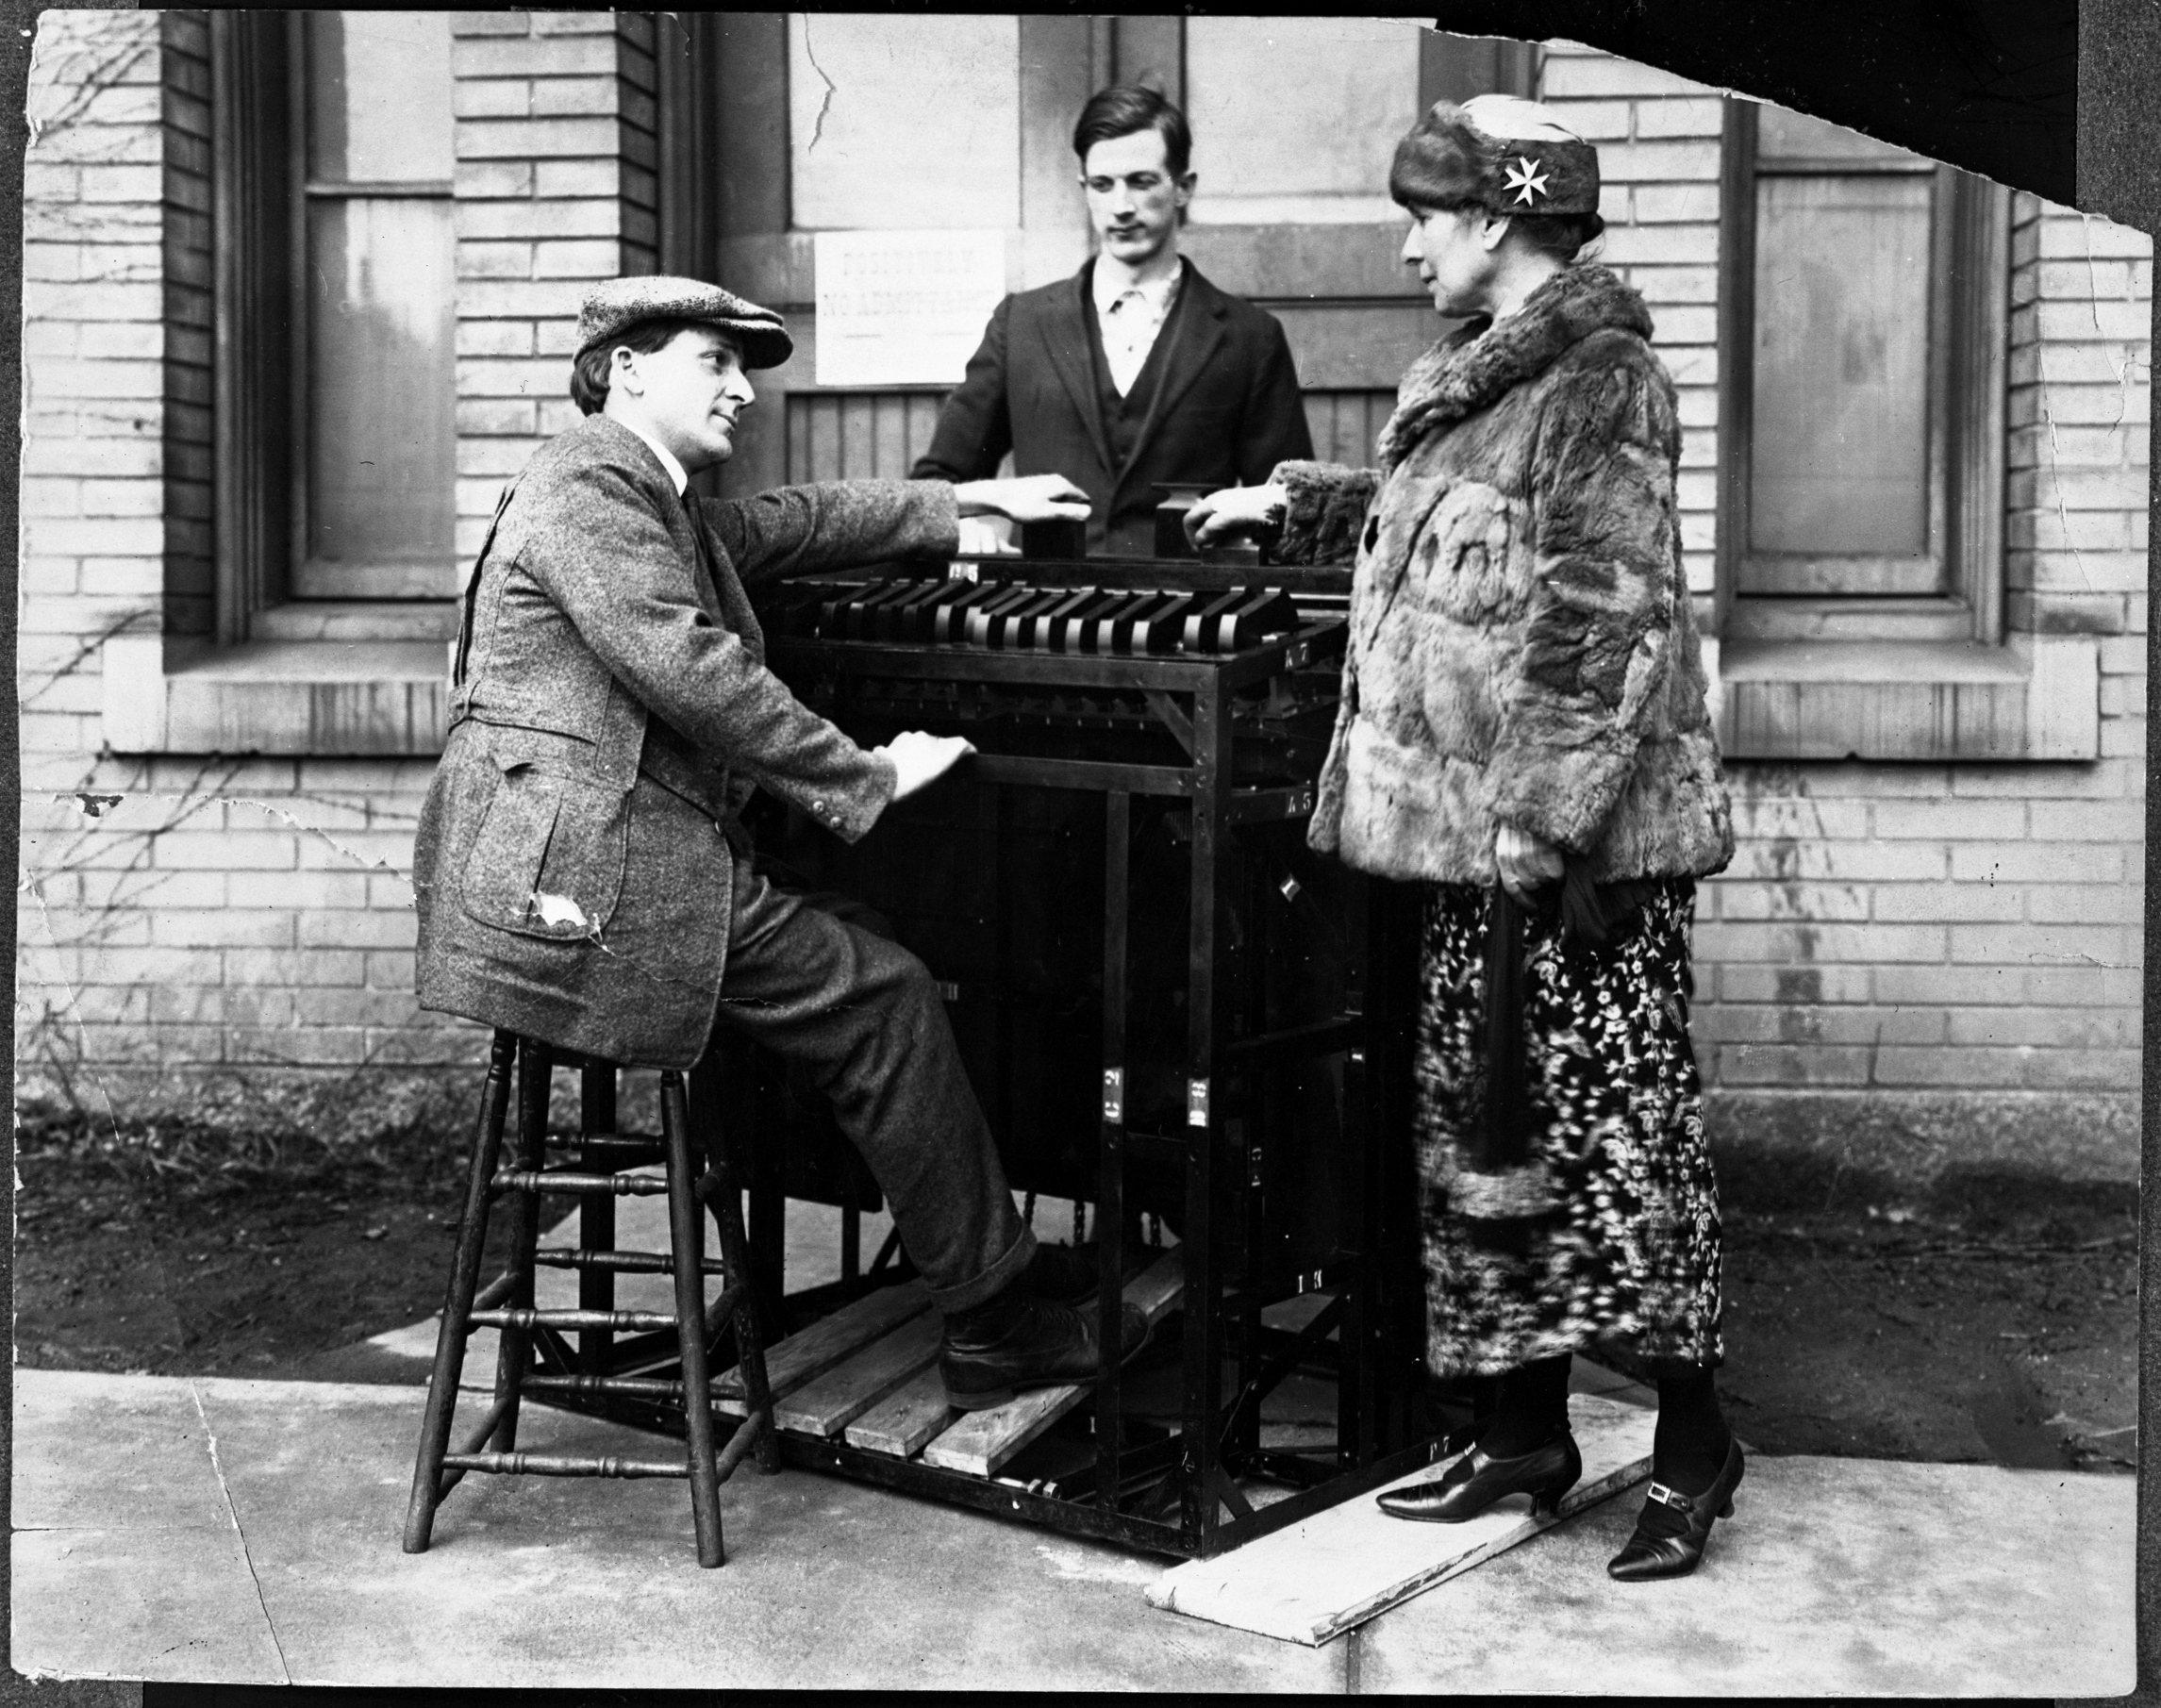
(919, 758)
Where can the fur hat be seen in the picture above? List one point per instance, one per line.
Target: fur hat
(615, 306)
(1499, 151)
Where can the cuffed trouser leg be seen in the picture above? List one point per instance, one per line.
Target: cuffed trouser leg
(865, 1017)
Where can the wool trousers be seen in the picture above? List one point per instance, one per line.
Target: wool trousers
(864, 1017)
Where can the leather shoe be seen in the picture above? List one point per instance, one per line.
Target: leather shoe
(1068, 1274)
(1016, 1340)
(1476, 1481)
(1672, 1528)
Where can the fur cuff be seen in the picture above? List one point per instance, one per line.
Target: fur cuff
(1326, 511)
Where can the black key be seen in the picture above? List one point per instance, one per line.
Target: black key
(1200, 621)
(860, 615)
(1110, 630)
(949, 625)
(1045, 626)
(919, 620)
(1068, 633)
(1005, 599)
(1160, 632)
(1010, 625)
(891, 616)
(1266, 611)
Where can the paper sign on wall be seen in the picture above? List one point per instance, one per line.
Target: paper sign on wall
(904, 307)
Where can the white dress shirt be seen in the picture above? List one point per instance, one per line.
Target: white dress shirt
(1130, 313)
(675, 470)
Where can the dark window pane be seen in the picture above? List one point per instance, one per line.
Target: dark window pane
(378, 97)
(1838, 457)
(383, 443)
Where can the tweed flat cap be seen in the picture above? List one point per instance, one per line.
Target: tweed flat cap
(1500, 152)
(616, 304)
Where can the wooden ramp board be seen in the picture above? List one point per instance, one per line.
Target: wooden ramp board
(1317, 1579)
(901, 1422)
(800, 1358)
(850, 1387)
(982, 1442)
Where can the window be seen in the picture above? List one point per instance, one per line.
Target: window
(1865, 292)
(1862, 349)
(375, 277)
(337, 391)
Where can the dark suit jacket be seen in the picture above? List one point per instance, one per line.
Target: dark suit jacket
(1227, 411)
(572, 871)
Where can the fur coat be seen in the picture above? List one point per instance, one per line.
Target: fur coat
(1521, 649)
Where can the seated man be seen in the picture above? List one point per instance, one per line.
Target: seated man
(1138, 370)
(580, 873)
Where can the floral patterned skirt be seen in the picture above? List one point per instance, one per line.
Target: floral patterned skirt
(1629, 1254)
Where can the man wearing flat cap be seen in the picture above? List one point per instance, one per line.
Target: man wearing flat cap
(579, 871)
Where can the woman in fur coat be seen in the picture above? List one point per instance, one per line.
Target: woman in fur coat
(1524, 733)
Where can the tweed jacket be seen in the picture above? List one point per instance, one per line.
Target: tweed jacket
(573, 869)
(1523, 649)
(1227, 409)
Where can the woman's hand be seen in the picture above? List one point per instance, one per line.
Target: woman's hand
(1024, 498)
(1234, 512)
(1526, 860)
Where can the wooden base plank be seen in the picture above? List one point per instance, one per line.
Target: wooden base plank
(1319, 1577)
(850, 1388)
(802, 1358)
(906, 1418)
(983, 1441)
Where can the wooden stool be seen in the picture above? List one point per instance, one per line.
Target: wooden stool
(506, 1302)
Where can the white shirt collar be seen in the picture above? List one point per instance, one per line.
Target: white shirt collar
(1107, 287)
(675, 470)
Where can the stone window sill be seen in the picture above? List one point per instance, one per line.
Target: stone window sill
(325, 698)
(2035, 697)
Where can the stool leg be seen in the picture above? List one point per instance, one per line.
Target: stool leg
(722, 1193)
(457, 1302)
(596, 1217)
(686, 1242)
(535, 1068)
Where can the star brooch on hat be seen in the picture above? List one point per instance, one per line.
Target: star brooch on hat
(1526, 180)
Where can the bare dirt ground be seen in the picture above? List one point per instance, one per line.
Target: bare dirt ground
(1988, 1318)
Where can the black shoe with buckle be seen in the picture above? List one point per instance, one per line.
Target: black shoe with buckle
(1475, 1481)
(1672, 1528)
(1016, 1340)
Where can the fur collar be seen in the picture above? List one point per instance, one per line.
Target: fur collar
(1472, 367)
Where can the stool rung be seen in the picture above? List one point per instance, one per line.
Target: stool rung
(571, 1319)
(554, 1464)
(606, 1141)
(643, 1263)
(740, 1444)
(652, 1388)
(551, 1180)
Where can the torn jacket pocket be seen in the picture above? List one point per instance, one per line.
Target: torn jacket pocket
(548, 859)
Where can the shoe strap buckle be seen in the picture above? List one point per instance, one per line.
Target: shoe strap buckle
(1671, 1497)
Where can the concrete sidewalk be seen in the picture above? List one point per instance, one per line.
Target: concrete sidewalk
(233, 1532)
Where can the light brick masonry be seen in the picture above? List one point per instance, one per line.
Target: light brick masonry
(1883, 925)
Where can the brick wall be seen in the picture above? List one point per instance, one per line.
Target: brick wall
(1922, 926)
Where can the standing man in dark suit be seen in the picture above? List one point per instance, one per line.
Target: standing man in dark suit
(580, 872)
(1138, 370)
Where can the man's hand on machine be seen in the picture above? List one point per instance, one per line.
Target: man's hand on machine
(1024, 498)
(919, 758)
(1234, 513)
